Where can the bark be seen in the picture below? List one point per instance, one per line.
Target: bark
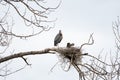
(21, 54)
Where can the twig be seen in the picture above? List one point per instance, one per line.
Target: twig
(25, 59)
(88, 43)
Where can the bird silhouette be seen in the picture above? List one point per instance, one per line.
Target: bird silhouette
(69, 45)
(58, 38)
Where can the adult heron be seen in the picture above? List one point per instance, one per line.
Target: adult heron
(58, 38)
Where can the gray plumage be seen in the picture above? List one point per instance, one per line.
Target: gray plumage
(58, 38)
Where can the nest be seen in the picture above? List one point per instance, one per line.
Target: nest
(69, 56)
(72, 54)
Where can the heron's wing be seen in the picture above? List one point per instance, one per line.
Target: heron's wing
(57, 39)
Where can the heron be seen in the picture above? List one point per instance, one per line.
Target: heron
(69, 45)
(58, 38)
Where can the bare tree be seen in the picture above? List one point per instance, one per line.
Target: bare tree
(32, 14)
(37, 17)
(95, 69)
(34, 18)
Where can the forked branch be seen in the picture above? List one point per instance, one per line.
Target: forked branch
(88, 43)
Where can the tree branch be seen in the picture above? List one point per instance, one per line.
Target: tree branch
(21, 54)
(61, 50)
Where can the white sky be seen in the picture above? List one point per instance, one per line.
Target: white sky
(77, 19)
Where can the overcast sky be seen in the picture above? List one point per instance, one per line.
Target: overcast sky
(77, 19)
